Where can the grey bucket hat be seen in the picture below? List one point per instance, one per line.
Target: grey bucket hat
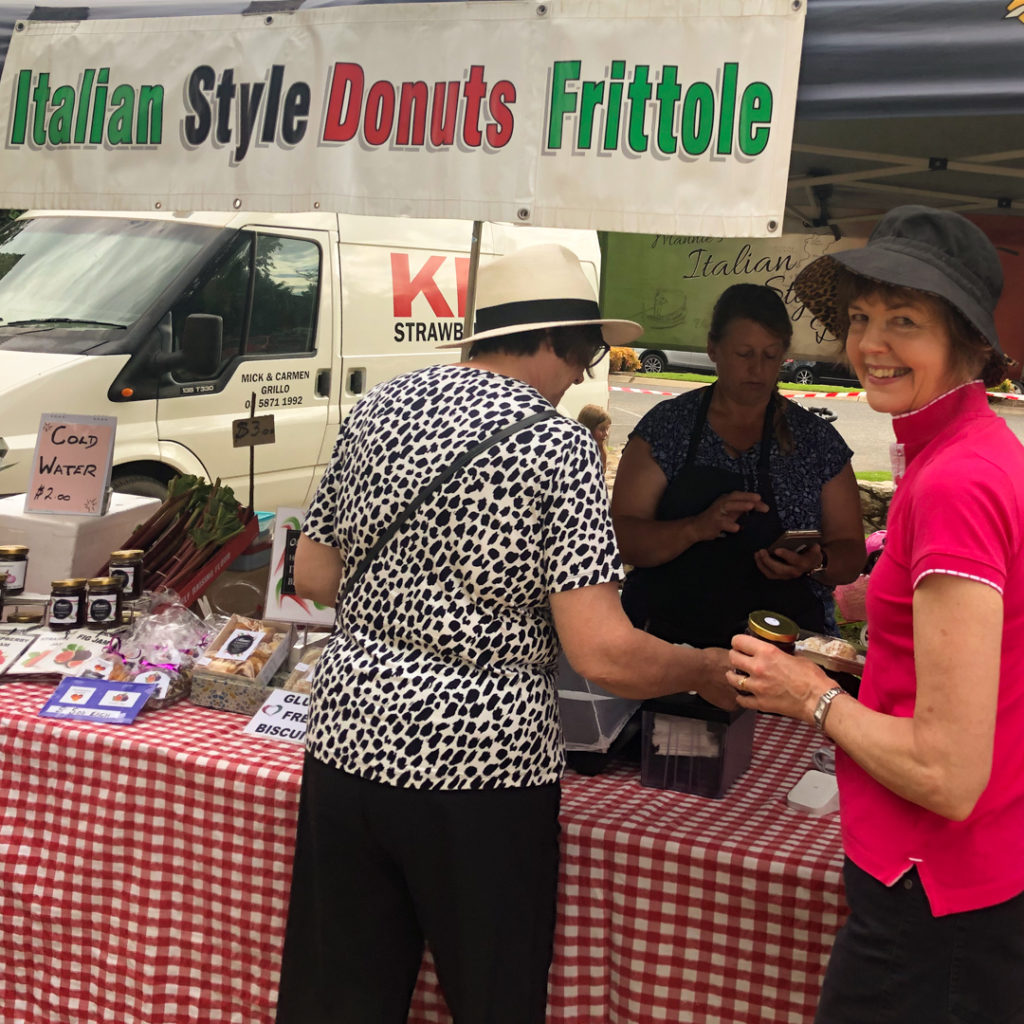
(933, 251)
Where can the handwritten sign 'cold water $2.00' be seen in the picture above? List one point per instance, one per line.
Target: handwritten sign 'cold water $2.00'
(71, 465)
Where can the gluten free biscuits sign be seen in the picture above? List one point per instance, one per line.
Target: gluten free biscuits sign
(71, 465)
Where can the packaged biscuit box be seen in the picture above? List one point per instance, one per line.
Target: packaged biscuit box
(235, 669)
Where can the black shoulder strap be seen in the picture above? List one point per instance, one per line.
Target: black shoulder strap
(442, 478)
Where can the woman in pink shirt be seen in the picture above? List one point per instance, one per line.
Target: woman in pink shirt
(930, 758)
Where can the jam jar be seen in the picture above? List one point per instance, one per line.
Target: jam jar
(128, 565)
(13, 567)
(25, 618)
(775, 628)
(103, 602)
(66, 609)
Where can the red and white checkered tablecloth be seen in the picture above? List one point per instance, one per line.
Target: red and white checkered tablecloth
(144, 869)
(144, 875)
(680, 908)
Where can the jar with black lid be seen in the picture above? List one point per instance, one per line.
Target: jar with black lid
(103, 602)
(66, 608)
(128, 565)
(13, 567)
(775, 628)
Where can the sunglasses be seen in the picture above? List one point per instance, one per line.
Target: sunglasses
(601, 352)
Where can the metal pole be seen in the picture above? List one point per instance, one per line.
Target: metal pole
(474, 262)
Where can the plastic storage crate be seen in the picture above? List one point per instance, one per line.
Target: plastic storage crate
(691, 746)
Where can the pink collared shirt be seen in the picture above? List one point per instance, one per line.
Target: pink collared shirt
(959, 509)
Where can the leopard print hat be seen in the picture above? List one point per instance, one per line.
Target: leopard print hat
(933, 251)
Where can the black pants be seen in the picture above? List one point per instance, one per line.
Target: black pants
(895, 963)
(378, 870)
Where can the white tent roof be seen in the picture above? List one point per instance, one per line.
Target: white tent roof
(899, 100)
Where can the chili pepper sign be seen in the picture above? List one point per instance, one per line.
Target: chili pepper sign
(283, 604)
(659, 117)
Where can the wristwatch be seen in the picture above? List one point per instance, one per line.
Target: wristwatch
(823, 705)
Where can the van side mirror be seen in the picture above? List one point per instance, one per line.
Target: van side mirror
(202, 343)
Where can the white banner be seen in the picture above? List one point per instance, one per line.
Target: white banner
(671, 116)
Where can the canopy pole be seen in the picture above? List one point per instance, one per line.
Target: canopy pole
(474, 262)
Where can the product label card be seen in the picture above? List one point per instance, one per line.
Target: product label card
(282, 717)
(96, 700)
(240, 645)
(66, 654)
(11, 647)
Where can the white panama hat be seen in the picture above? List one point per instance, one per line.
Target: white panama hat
(536, 287)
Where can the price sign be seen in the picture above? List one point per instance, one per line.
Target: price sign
(71, 465)
(252, 431)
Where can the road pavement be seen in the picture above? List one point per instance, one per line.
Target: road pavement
(868, 433)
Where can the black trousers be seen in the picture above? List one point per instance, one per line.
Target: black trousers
(378, 870)
(895, 963)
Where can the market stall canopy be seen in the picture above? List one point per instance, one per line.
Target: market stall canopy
(908, 101)
(898, 100)
(615, 115)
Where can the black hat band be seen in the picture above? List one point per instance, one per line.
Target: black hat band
(535, 311)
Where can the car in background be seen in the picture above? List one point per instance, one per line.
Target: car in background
(677, 360)
(812, 371)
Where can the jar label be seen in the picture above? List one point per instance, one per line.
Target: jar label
(64, 610)
(101, 610)
(14, 573)
(125, 573)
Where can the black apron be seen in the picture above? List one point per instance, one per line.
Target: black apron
(703, 596)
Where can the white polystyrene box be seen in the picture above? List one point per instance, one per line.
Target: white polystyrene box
(61, 547)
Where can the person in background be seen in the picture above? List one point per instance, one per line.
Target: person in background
(930, 759)
(598, 422)
(430, 792)
(708, 481)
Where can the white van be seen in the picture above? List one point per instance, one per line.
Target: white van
(306, 311)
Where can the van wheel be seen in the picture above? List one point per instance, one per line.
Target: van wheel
(653, 362)
(143, 486)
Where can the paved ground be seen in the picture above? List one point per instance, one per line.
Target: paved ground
(866, 432)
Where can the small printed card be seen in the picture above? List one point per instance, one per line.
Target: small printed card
(12, 646)
(97, 700)
(282, 717)
(240, 644)
(72, 653)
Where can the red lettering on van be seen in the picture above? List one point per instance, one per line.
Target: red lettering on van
(406, 286)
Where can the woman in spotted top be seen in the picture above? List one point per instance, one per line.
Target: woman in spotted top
(429, 809)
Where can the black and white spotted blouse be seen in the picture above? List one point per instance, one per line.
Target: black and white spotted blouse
(440, 673)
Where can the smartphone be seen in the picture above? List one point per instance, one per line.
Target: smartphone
(796, 540)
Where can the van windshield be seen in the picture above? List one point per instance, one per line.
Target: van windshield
(90, 272)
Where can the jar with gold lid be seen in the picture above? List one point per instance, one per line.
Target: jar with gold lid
(13, 567)
(775, 628)
(103, 602)
(66, 607)
(128, 565)
(25, 618)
